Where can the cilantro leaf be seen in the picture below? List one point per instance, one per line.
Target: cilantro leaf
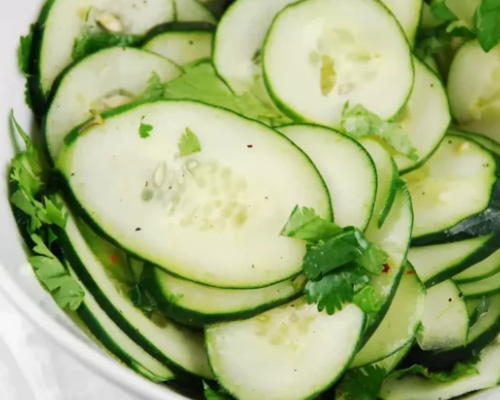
(361, 384)
(32, 155)
(211, 394)
(458, 371)
(24, 51)
(189, 143)
(55, 213)
(373, 259)
(200, 82)
(487, 24)
(441, 11)
(155, 89)
(334, 290)
(144, 129)
(367, 300)
(91, 42)
(305, 223)
(359, 122)
(54, 276)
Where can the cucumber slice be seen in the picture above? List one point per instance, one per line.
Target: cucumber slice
(321, 54)
(199, 305)
(425, 118)
(290, 353)
(116, 341)
(192, 11)
(387, 180)
(118, 76)
(394, 238)
(408, 15)
(392, 362)
(474, 96)
(352, 189)
(437, 263)
(480, 335)
(401, 323)
(483, 140)
(445, 323)
(181, 43)
(174, 345)
(482, 270)
(428, 21)
(454, 194)
(61, 22)
(484, 287)
(239, 39)
(224, 201)
(417, 388)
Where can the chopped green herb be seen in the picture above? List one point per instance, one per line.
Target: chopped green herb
(144, 129)
(359, 122)
(155, 89)
(91, 42)
(458, 371)
(373, 259)
(487, 24)
(336, 289)
(441, 11)
(304, 223)
(361, 384)
(189, 143)
(367, 300)
(54, 277)
(24, 52)
(55, 213)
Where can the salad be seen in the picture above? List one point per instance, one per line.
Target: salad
(271, 199)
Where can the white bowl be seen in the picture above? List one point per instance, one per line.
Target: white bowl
(16, 279)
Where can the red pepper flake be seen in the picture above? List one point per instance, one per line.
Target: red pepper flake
(386, 269)
(114, 258)
(409, 272)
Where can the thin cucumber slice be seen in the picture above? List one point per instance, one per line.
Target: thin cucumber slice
(474, 96)
(408, 15)
(192, 11)
(394, 238)
(392, 362)
(105, 80)
(114, 340)
(455, 193)
(428, 21)
(61, 22)
(437, 263)
(400, 324)
(426, 116)
(239, 39)
(417, 388)
(199, 305)
(290, 353)
(481, 334)
(483, 140)
(181, 43)
(482, 270)
(352, 190)
(312, 76)
(445, 323)
(484, 287)
(174, 345)
(223, 201)
(387, 180)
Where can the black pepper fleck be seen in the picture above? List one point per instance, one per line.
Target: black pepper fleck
(450, 300)
(249, 146)
(137, 229)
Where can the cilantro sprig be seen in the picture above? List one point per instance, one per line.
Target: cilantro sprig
(189, 143)
(339, 262)
(42, 213)
(361, 384)
(487, 24)
(458, 371)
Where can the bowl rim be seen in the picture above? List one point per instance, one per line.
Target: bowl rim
(90, 357)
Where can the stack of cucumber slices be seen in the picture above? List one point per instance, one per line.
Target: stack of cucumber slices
(266, 200)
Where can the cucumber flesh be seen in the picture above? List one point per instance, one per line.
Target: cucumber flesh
(290, 353)
(485, 269)
(352, 190)
(64, 21)
(425, 117)
(484, 287)
(474, 96)
(445, 323)
(392, 362)
(223, 201)
(407, 14)
(182, 47)
(199, 305)
(417, 388)
(118, 76)
(312, 76)
(192, 11)
(400, 324)
(453, 191)
(116, 341)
